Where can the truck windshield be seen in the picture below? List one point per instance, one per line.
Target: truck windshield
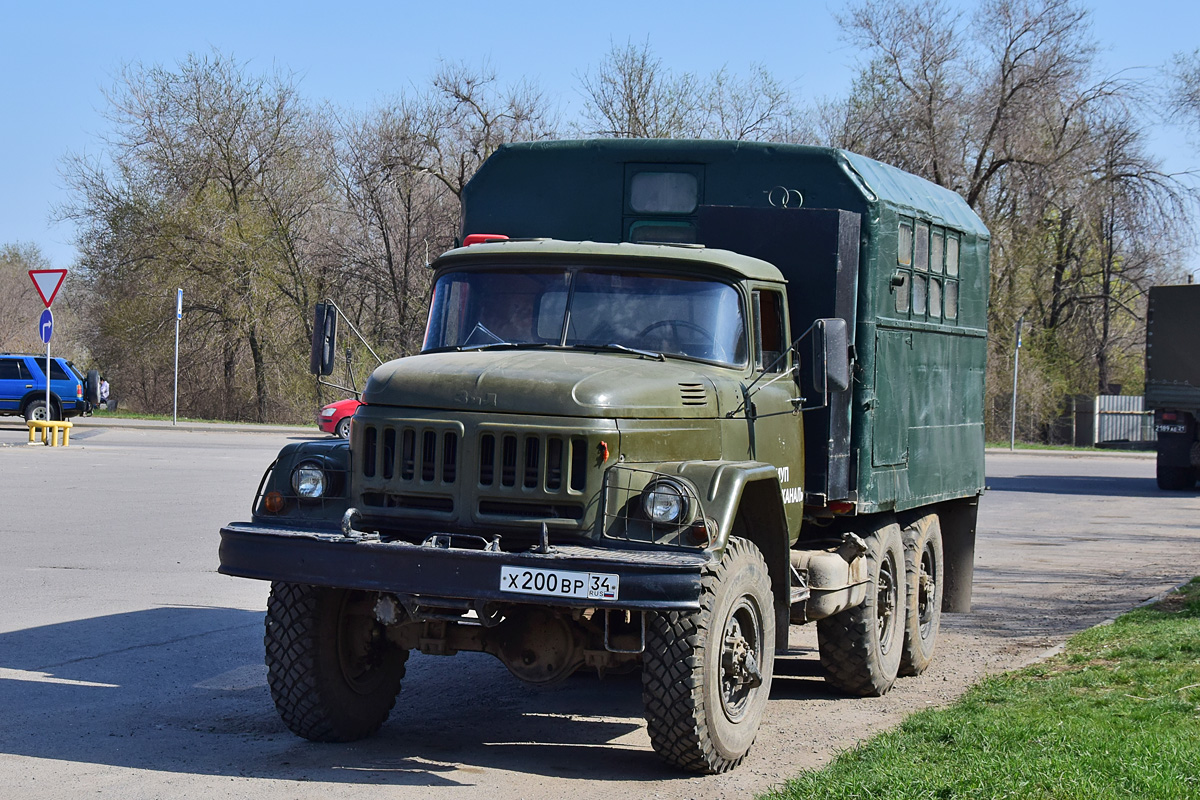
(690, 317)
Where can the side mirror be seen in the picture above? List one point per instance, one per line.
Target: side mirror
(831, 354)
(324, 339)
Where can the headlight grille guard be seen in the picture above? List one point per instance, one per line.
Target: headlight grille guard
(625, 520)
(335, 497)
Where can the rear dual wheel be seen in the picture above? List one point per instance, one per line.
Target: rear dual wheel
(923, 554)
(861, 647)
(1174, 479)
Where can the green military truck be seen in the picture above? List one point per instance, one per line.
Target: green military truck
(673, 397)
(1173, 382)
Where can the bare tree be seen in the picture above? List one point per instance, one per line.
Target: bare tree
(1184, 87)
(631, 94)
(19, 303)
(210, 183)
(451, 129)
(757, 107)
(1004, 108)
(908, 102)
(401, 171)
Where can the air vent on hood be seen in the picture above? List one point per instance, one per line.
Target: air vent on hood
(693, 394)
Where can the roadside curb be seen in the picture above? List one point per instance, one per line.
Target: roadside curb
(1004, 451)
(1061, 646)
(218, 427)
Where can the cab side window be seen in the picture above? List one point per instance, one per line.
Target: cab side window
(768, 331)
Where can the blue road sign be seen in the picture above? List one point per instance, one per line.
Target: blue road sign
(46, 326)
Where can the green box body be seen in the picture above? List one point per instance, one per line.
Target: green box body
(849, 234)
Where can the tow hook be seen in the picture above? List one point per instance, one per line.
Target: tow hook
(348, 519)
(352, 516)
(544, 547)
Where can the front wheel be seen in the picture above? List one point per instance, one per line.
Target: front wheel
(861, 646)
(343, 428)
(706, 675)
(333, 673)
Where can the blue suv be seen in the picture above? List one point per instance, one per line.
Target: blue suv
(23, 387)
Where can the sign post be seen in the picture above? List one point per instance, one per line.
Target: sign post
(1012, 432)
(47, 282)
(46, 330)
(178, 316)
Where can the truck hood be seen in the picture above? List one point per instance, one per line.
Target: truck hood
(554, 383)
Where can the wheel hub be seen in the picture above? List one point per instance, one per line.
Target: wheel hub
(886, 601)
(740, 672)
(361, 648)
(925, 592)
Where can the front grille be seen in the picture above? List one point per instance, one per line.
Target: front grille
(411, 454)
(533, 461)
(484, 473)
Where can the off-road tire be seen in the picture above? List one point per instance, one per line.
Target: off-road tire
(697, 720)
(36, 409)
(342, 431)
(1174, 479)
(924, 567)
(332, 672)
(861, 646)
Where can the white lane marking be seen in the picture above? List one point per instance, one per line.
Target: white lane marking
(46, 677)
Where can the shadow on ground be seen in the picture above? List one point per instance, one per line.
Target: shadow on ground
(184, 690)
(1103, 486)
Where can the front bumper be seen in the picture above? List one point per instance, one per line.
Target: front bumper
(667, 580)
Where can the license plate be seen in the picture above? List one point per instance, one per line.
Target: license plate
(1166, 427)
(560, 583)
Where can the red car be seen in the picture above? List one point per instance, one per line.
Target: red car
(335, 417)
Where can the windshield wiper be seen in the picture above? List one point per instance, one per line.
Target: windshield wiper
(620, 348)
(504, 346)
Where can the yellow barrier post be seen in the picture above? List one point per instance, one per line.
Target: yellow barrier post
(51, 430)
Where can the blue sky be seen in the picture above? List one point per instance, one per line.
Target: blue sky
(56, 58)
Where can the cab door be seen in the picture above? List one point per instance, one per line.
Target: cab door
(776, 429)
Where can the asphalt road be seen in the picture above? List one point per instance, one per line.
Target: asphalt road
(130, 669)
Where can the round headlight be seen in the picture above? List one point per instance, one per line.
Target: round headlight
(308, 479)
(665, 502)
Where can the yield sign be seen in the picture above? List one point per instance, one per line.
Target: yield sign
(47, 283)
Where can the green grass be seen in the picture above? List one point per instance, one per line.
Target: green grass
(1116, 715)
(1039, 446)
